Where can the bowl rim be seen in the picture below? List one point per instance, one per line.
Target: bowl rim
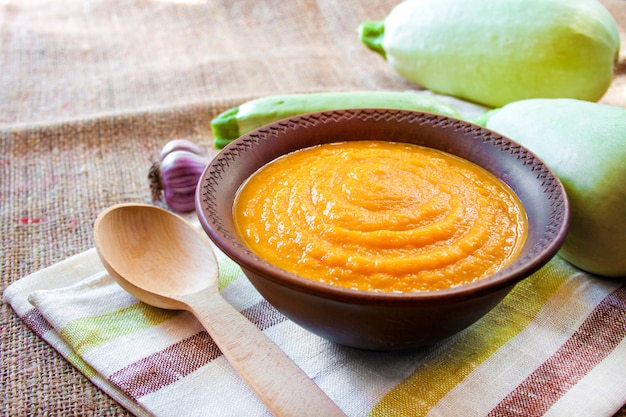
(501, 280)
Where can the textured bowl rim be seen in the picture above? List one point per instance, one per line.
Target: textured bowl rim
(538, 256)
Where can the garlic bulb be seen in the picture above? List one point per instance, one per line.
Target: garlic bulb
(175, 176)
(182, 145)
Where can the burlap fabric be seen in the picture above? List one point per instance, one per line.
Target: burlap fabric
(90, 92)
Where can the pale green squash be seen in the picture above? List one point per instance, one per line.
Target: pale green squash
(234, 122)
(585, 145)
(497, 52)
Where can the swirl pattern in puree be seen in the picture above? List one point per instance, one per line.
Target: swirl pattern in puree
(380, 216)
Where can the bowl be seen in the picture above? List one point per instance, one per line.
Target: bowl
(374, 320)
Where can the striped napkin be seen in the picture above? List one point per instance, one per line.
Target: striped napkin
(556, 346)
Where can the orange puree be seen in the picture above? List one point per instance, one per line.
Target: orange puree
(380, 216)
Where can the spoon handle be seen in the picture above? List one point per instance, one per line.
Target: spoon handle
(283, 386)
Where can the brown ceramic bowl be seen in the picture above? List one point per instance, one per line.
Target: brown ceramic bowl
(371, 320)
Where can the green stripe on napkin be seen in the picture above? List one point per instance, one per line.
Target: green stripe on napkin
(88, 332)
(229, 272)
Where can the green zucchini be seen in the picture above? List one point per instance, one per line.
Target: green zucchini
(250, 115)
(496, 52)
(584, 143)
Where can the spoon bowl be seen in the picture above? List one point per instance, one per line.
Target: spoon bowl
(154, 255)
(160, 259)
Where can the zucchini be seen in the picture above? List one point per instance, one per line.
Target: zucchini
(584, 143)
(250, 115)
(497, 52)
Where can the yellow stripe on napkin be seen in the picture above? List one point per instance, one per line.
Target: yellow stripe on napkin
(417, 394)
(229, 272)
(88, 332)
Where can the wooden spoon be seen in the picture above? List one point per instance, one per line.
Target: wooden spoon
(160, 259)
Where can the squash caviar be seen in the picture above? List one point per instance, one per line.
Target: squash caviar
(380, 216)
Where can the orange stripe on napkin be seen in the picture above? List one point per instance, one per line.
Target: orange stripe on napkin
(598, 335)
(180, 359)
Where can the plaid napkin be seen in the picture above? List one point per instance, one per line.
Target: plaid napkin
(556, 346)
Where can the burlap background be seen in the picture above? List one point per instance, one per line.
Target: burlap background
(91, 90)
